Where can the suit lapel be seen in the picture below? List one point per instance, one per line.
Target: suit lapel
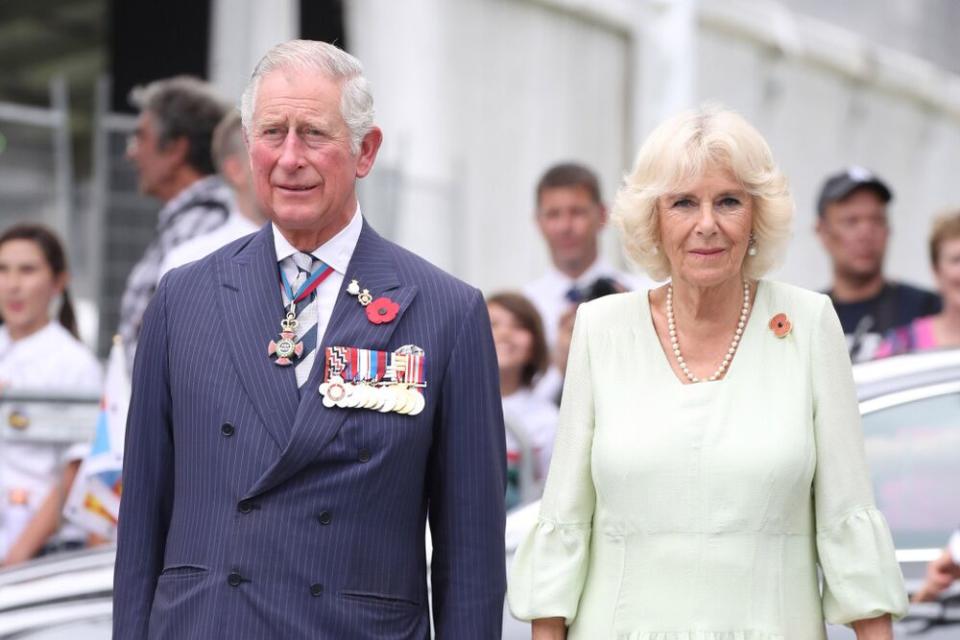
(374, 267)
(252, 309)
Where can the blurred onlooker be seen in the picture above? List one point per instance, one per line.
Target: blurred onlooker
(233, 164)
(853, 227)
(171, 152)
(570, 214)
(522, 355)
(38, 355)
(943, 329)
(941, 572)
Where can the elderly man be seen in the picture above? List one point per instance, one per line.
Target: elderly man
(853, 227)
(233, 164)
(170, 149)
(304, 401)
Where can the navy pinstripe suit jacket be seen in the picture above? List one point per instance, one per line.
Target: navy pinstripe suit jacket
(252, 511)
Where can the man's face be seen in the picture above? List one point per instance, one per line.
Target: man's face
(854, 232)
(570, 221)
(304, 171)
(156, 163)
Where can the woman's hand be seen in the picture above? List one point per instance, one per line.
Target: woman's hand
(874, 628)
(549, 629)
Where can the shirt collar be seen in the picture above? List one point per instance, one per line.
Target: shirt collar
(335, 252)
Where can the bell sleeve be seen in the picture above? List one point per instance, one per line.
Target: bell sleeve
(856, 553)
(550, 565)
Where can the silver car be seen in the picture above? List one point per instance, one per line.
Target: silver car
(911, 419)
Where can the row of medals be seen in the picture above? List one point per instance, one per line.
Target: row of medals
(398, 397)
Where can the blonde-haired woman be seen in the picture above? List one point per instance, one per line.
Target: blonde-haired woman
(709, 454)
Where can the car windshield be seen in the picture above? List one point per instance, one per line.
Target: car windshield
(914, 454)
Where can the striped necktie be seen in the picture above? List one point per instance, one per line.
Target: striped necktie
(307, 315)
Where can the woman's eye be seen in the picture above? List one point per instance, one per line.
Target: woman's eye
(683, 203)
(729, 202)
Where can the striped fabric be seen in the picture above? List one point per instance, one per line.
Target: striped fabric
(253, 512)
(300, 266)
(198, 209)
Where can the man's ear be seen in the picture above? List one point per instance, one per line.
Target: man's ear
(178, 147)
(369, 147)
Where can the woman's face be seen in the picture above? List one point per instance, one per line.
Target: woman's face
(947, 272)
(705, 228)
(514, 344)
(27, 286)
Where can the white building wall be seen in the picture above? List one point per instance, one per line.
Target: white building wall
(478, 97)
(824, 99)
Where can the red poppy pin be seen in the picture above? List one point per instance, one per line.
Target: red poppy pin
(382, 310)
(379, 311)
(780, 325)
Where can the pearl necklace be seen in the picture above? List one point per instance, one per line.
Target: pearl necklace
(675, 345)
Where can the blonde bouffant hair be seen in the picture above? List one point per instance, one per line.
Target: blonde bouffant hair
(684, 148)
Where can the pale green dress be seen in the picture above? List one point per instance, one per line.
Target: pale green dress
(700, 511)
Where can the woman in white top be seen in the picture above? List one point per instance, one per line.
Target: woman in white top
(522, 355)
(709, 454)
(36, 354)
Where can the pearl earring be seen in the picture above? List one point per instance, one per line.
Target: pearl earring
(752, 246)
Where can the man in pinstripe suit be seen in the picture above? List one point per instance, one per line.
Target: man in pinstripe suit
(255, 508)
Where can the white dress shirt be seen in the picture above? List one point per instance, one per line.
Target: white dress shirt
(549, 295)
(335, 252)
(50, 360)
(549, 292)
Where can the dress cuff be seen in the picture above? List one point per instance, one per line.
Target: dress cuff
(549, 570)
(861, 576)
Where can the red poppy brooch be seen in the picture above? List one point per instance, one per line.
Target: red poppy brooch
(382, 310)
(780, 325)
(379, 311)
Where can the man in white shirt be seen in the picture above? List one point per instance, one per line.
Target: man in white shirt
(233, 164)
(570, 214)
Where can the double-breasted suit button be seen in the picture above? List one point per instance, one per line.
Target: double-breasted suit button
(234, 579)
(245, 506)
(363, 455)
(316, 590)
(227, 429)
(325, 517)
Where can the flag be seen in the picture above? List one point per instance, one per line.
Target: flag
(94, 500)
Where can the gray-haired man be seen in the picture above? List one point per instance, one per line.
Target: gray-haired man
(170, 149)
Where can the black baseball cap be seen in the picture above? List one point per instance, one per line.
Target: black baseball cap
(840, 185)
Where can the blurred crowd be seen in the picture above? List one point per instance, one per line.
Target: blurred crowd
(189, 152)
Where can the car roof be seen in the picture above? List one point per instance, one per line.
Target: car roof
(900, 373)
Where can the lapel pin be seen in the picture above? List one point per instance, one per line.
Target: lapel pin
(379, 311)
(780, 325)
